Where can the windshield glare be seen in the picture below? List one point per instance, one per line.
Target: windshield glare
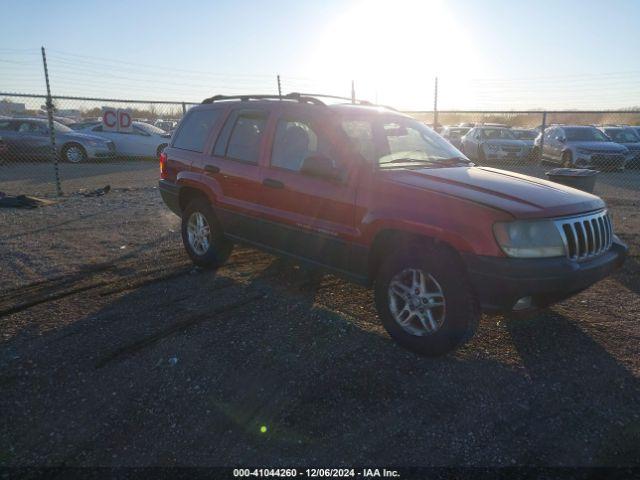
(497, 133)
(400, 140)
(60, 128)
(525, 134)
(150, 129)
(576, 134)
(623, 135)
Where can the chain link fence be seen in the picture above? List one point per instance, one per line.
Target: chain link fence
(88, 157)
(619, 164)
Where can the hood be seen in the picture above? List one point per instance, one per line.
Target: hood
(632, 145)
(599, 146)
(82, 136)
(520, 195)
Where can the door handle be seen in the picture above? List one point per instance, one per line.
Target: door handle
(270, 182)
(211, 169)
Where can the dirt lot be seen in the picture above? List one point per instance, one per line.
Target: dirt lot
(115, 351)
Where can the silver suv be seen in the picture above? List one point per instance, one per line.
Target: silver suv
(493, 143)
(628, 137)
(582, 146)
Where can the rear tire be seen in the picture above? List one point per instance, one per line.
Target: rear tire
(535, 155)
(160, 149)
(202, 235)
(446, 327)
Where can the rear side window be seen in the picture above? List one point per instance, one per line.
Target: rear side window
(195, 129)
(244, 142)
(6, 125)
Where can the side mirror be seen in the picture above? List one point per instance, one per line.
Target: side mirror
(321, 167)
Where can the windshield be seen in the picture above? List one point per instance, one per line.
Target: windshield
(398, 139)
(586, 134)
(622, 135)
(60, 128)
(525, 134)
(150, 129)
(497, 133)
(458, 132)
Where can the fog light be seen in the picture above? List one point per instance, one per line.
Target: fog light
(522, 304)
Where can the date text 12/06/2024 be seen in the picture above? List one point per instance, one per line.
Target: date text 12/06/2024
(316, 472)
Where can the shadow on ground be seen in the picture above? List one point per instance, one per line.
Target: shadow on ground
(268, 366)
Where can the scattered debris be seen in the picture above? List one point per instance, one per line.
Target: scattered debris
(23, 201)
(98, 192)
(173, 361)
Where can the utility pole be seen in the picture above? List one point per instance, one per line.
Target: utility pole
(542, 129)
(52, 133)
(279, 88)
(353, 92)
(435, 105)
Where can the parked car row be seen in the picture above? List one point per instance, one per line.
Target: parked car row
(28, 138)
(583, 146)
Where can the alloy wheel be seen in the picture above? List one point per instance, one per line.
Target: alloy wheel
(417, 302)
(199, 233)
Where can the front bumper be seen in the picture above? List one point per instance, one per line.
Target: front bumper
(603, 161)
(500, 282)
(101, 151)
(505, 154)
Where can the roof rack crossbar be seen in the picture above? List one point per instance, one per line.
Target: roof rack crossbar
(245, 98)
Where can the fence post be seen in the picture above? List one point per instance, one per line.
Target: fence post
(353, 92)
(184, 109)
(279, 89)
(52, 134)
(542, 129)
(435, 105)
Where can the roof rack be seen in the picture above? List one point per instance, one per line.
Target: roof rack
(245, 98)
(312, 98)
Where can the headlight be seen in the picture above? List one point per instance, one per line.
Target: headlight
(529, 239)
(96, 143)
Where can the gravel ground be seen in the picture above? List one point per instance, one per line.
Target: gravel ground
(114, 351)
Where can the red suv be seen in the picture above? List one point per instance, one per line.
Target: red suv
(373, 195)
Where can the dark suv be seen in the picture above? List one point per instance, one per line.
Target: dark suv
(373, 195)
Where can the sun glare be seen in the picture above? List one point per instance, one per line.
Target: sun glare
(393, 50)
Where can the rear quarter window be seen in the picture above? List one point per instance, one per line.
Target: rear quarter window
(195, 129)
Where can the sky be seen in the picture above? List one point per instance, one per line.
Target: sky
(489, 54)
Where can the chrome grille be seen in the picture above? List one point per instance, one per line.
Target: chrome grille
(586, 236)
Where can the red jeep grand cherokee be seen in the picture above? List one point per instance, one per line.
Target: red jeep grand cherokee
(376, 196)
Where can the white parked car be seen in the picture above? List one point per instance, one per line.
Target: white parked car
(145, 140)
(493, 143)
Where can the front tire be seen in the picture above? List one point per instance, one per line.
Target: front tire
(567, 160)
(202, 235)
(74, 153)
(425, 301)
(481, 156)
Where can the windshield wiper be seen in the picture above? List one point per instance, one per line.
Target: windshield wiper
(408, 160)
